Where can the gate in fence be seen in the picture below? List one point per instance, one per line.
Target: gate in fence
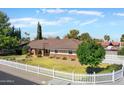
(72, 77)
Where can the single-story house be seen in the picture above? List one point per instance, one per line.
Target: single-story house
(65, 47)
(54, 47)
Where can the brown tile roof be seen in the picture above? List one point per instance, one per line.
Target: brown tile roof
(105, 44)
(55, 44)
(115, 43)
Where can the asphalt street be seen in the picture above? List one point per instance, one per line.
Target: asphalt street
(12, 76)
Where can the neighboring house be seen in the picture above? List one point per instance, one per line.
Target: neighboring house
(111, 47)
(54, 47)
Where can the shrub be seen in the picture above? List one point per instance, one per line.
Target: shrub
(25, 50)
(90, 53)
(39, 55)
(114, 67)
(64, 58)
(28, 55)
(12, 58)
(28, 59)
(57, 57)
(73, 59)
(23, 60)
(6, 58)
(121, 51)
(91, 70)
(51, 57)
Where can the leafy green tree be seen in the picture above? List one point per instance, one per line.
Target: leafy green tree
(85, 37)
(39, 32)
(90, 53)
(4, 24)
(12, 32)
(73, 34)
(122, 38)
(107, 37)
(26, 38)
(58, 37)
(6, 40)
(17, 33)
(98, 40)
(121, 51)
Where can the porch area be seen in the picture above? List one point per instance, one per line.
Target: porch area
(40, 52)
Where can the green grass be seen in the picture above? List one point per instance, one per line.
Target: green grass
(57, 64)
(17, 57)
(52, 63)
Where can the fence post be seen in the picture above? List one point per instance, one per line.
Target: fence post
(113, 76)
(38, 69)
(94, 77)
(73, 77)
(53, 72)
(26, 67)
(122, 71)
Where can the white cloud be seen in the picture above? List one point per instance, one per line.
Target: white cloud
(83, 12)
(80, 12)
(88, 22)
(54, 11)
(28, 22)
(119, 14)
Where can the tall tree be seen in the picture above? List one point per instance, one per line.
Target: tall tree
(106, 37)
(6, 40)
(85, 37)
(122, 38)
(73, 34)
(4, 24)
(39, 32)
(19, 34)
(12, 31)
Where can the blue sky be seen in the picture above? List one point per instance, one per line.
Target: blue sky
(58, 21)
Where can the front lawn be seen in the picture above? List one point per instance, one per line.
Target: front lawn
(57, 64)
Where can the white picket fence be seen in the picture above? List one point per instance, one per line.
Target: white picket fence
(72, 77)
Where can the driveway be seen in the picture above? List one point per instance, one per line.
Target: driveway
(12, 76)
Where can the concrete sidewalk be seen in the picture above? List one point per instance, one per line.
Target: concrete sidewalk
(12, 76)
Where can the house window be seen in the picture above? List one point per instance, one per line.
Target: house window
(74, 52)
(56, 51)
(51, 50)
(70, 52)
